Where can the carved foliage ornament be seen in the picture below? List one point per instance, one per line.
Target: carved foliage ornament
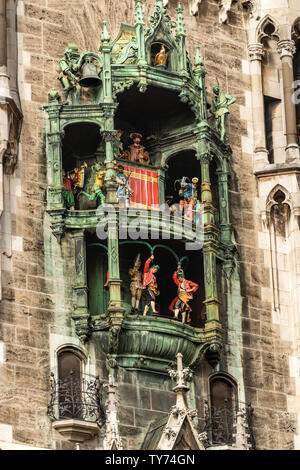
(286, 48)
(225, 6)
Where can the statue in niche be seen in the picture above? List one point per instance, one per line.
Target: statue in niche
(136, 284)
(161, 58)
(68, 183)
(136, 152)
(124, 190)
(118, 145)
(220, 110)
(186, 202)
(184, 295)
(98, 184)
(150, 285)
(68, 76)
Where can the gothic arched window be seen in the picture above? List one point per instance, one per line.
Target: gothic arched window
(70, 363)
(223, 407)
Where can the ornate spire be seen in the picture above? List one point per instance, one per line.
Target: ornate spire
(139, 12)
(181, 376)
(112, 440)
(180, 23)
(105, 37)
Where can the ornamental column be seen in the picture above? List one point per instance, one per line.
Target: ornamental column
(256, 53)
(286, 50)
(55, 204)
(225, 224)
(209, 248)
(80, 289)
(140, 33)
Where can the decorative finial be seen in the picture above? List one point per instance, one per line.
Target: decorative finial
(198, 59)
(105, 37)
(180, 24)
(139, 12)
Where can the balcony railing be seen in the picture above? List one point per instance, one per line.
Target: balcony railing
(222, 427)
(77, 396)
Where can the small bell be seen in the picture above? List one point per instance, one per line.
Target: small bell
(89, 77)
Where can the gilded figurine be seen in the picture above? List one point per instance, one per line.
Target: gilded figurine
(69, 74)
(98, 185)
(136, 284)
(161, 58)
(137, 153)
(124, 190)
(118, 145)
(220, 110)
(184, 295)
(150, 285)
(186, 202)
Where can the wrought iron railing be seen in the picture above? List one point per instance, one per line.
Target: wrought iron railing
(224, 422)
(77, 396)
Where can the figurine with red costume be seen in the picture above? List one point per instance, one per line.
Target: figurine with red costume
(137, 152)
(150, 285)
(184, 294)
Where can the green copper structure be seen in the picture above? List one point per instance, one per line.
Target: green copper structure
(125, 85)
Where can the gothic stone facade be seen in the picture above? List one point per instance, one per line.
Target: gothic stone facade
(261, 348)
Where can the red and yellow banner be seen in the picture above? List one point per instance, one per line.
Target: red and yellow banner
(144, 184)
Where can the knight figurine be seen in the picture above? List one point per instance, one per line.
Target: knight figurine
(150, 285)
(98, 184)
(136, 284)
(184, 295)
(68, 76)
(220, 110)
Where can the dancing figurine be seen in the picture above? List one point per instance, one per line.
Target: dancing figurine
(150, 285)
(184, 294)
(136, 284)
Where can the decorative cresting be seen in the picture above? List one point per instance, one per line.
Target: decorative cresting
(179, 427)
(112, 439)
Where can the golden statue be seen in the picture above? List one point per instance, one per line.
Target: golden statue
(161, 57)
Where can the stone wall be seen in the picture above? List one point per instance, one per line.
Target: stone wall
(36, 305)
